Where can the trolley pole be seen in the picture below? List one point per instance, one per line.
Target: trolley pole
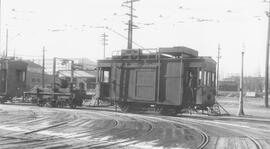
(267, 61)
(241, 110)
(217, 84)
(43, 67)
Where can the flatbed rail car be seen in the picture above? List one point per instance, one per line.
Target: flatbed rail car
(12, 79)
(169, 79)
(63, 91)
(72, 98)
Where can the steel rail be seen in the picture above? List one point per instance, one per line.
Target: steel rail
(126, 142)
(148, 131)
(205, 137)
(256, 143)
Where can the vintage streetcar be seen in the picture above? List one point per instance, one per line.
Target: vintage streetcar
(170, 80)
(12, 78)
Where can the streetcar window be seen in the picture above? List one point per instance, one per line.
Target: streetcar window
(104, 76)
(208, 78)
(3, 75)
(20, 75)
(200, 78)
(213, 79)
(187, 78)
(205, 78)
(202, 81)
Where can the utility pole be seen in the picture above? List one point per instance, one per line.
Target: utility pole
(130, 22)
(0, 22)
(104, 42)
(54, 72)
(43, 67)
(72, 74)
(6, 43)
(241, 110)
(267, 61)
(218, 57)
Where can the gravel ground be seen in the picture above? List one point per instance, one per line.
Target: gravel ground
(253, 107)
(25, 126)
(34, 127)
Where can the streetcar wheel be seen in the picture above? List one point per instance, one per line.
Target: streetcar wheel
(125, 107)
(168, 111)
(72, 106)
(72, 103)
(53, 104)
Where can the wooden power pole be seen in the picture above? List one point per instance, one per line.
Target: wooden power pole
(241, 109)
(43, 67)
(6, 43)
(0, 23)
(267, 61)
(104, 42)
(218, 57)
(130, 22)
(54, 72)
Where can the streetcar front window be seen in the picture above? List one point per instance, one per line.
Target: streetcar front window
(104, 75)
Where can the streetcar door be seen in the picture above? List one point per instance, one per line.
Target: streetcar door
(3, 75)
(206, 87)
(171, 83)
(201, 84)
(190, 86)
(103, 83)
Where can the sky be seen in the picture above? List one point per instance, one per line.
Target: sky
(73, 28)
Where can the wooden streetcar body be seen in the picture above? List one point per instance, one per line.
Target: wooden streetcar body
(12, 78)
(137, 79)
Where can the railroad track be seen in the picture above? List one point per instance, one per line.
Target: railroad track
(253, 140)
(85, 133)
(204, 136)
(80, 134)
(136, 137)
(122, 131)
(257, 144)
(85, 129)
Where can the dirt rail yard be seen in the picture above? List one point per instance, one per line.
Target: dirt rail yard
(26, 126)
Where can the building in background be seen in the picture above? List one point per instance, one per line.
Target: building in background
(34, 75)
(251, 84)
(86, 64)
(228, 85)
(82, 78)
(86, 72)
